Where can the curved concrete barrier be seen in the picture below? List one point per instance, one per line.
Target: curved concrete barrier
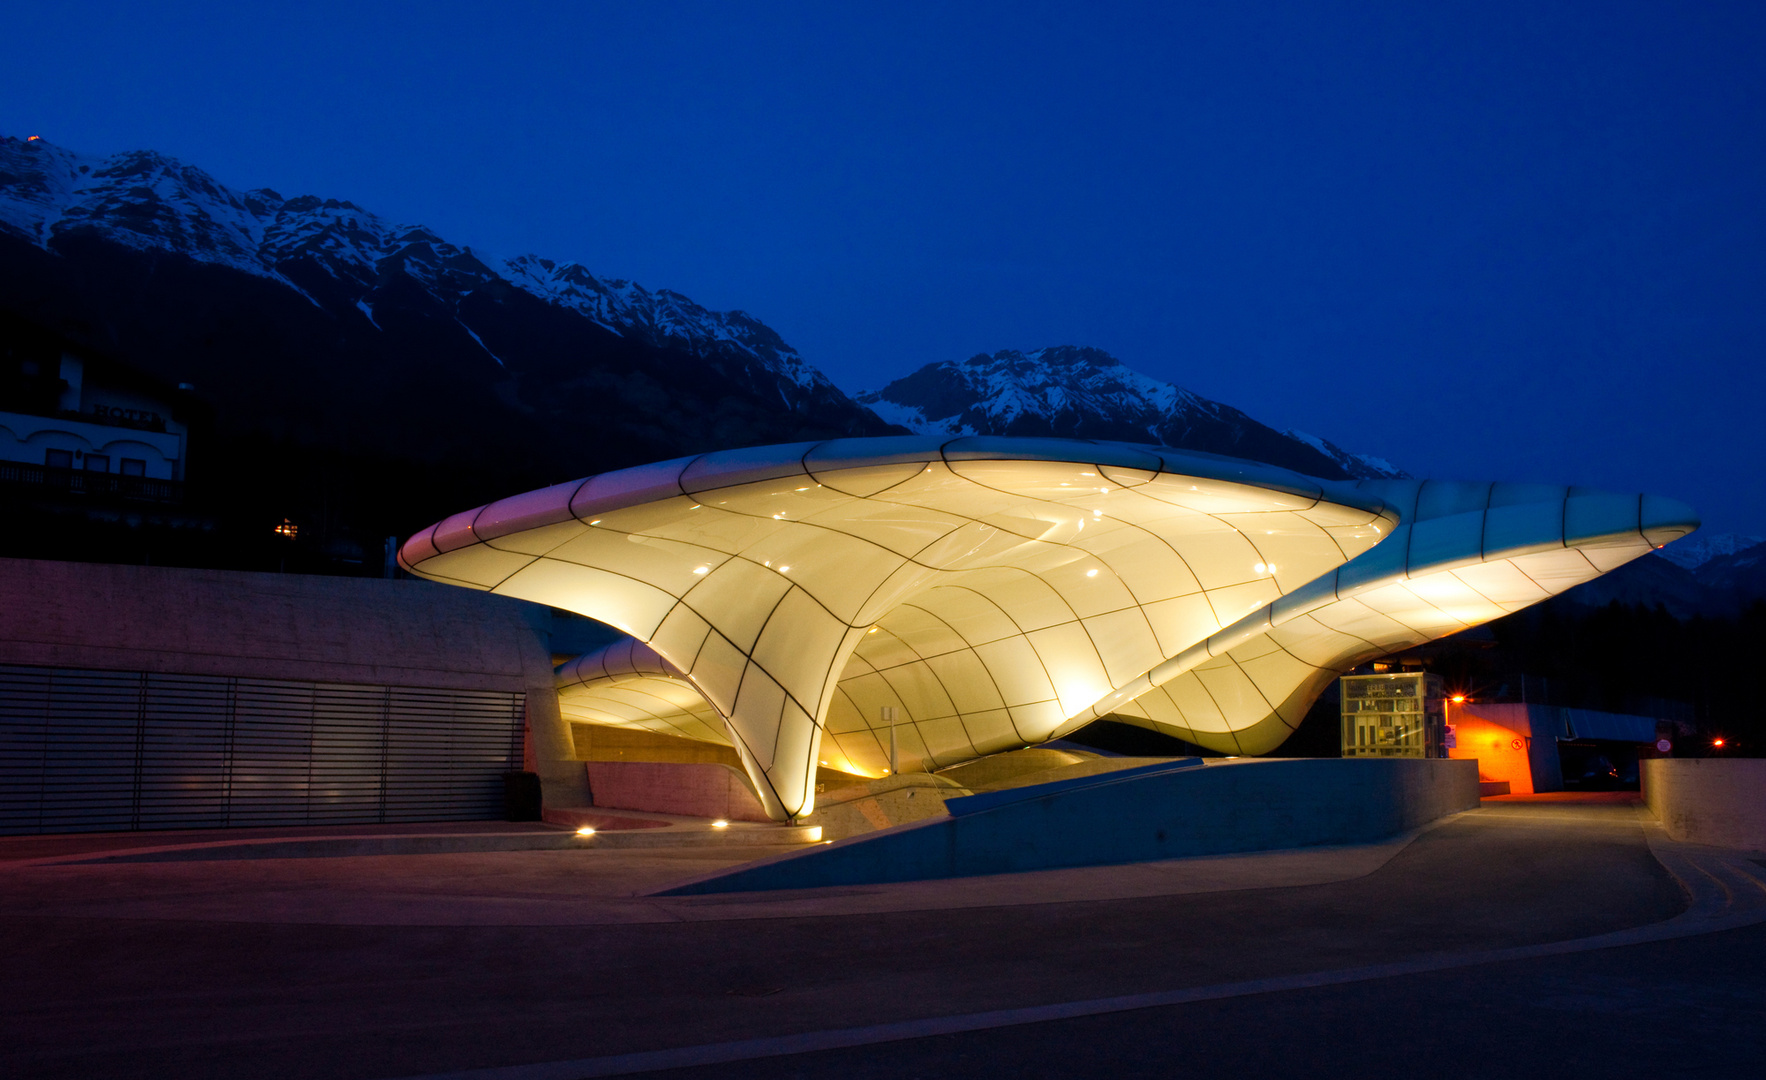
(1719, 801)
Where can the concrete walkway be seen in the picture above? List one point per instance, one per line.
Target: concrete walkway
(1414, 953)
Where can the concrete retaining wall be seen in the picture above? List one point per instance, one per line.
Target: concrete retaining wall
(1247, 805)
(1720, 801)
(701, 789)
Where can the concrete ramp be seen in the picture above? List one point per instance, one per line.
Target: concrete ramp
(1168, 810)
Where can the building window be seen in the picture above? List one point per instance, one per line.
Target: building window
(134, 467)
(97, 462)
(58, 459)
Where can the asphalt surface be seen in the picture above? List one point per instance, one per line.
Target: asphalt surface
(1691, 1008)
(321, 983)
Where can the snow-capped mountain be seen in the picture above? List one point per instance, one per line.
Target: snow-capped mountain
(1693, 552)
(149, 202)
(352, 264)
(1358, 466)
(1087, 393)
(359, 376)
(1736, 573)
(361, 373)
(1725, 580)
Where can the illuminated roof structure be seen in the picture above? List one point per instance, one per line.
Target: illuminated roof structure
(1000, 592)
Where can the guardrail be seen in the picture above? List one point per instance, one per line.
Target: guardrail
(93, 484)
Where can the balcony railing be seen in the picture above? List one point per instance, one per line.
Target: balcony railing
(80, 482)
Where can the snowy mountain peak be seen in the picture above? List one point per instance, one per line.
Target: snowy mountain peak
(1693, 552)
(140, 198)
(665, 317)
(1356, 465)
(1082, 392)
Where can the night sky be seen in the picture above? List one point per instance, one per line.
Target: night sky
(1486, 241)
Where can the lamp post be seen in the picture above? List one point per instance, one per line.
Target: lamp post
(1451, 732)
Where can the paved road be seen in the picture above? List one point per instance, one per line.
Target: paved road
(1694, 1007)
(85, 995)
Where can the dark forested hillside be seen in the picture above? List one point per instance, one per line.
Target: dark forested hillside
(369, 425)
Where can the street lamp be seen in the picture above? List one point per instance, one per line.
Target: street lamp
(1449, 738)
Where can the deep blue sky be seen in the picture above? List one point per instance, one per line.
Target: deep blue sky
(1485, 240)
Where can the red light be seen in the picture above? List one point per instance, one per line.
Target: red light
(1716, 742)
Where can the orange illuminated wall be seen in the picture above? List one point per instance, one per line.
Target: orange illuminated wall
(1501, 752)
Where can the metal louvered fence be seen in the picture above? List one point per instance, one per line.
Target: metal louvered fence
(84, 750)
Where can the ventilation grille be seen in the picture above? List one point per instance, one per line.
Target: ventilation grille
(109, 750)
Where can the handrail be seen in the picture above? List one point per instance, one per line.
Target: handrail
(91, 483)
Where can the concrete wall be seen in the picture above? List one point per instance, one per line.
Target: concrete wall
(1501, 753)
(287, 626)
(1247, 805)
(633, 769)
(692, 789)
(594, 742)
(1720, 801)
(1488, 732)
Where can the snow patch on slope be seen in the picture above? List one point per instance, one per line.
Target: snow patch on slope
(487, 349)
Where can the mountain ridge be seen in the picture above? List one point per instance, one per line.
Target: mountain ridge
(1695, 551)
(326, 247)
(1084, 392)
(145, 200)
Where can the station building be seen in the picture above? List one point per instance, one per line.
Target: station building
(762, 623)
(72, 422)
(810, 606)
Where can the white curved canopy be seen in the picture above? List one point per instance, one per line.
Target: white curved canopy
(999, 592)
